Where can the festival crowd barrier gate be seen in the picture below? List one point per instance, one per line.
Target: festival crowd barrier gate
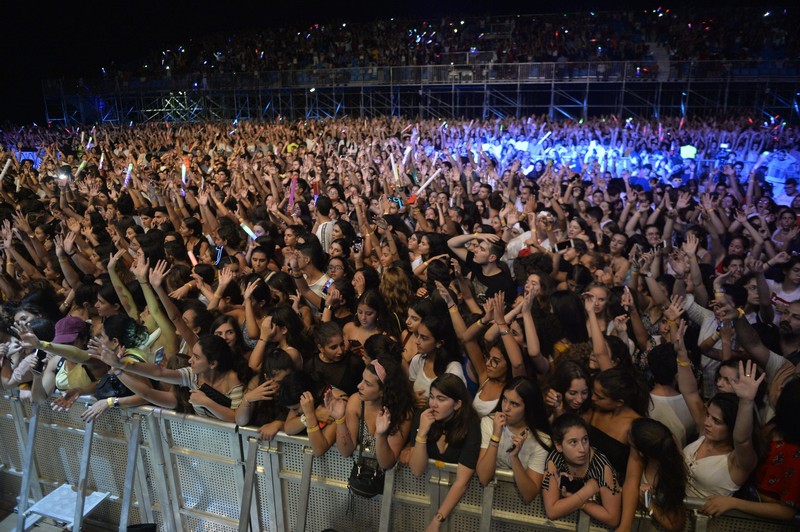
(189, 473)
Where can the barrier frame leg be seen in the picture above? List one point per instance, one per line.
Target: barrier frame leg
(386, 499)
(486, 505)
(277, 514)
(80, 499)
(249, 483)
(162, 474)
(132, 432)
(305, 490)
(27, 467)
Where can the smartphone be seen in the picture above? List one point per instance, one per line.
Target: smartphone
(564, 244)
(327, 285)
(354, 344)
(357, 242)
(572, 486)
(158, 358)
(661, 245)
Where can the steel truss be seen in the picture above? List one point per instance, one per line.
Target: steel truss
(496, 99)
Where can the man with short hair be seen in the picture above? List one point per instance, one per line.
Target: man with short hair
(487, 277)
(788, 194)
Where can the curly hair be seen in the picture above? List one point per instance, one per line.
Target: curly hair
(396, 289)
(398, 396)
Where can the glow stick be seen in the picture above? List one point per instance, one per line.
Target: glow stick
(5, 168)
(545, 137)
(89, 144)
(102, 158)
(80, 168)
(405, 155)
(292, 188)
(183, 173)
(394, 168)
(425, 185)
(82, 133)
(128, 176)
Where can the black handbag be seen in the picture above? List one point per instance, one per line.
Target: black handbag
(366, 478)
(109, 384)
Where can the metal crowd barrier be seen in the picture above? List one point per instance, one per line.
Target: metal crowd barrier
(187, 473)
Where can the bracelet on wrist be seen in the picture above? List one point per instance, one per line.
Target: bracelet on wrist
(44, 345)
(420, 439)
(683, 363)
(495, 438)
(312, 429)
(341, 420)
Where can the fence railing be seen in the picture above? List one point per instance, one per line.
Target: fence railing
(192, 473)
(464, 72)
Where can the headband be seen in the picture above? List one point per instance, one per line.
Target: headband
(379, 370)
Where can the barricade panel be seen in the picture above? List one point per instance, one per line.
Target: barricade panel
(207, 461)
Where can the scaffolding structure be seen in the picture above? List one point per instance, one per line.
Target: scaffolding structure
(468, 91)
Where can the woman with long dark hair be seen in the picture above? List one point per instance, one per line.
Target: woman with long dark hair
(656, 476)
(384, 405)
(449, 430)
(212, 375)
(437, 354)
(721, 459)
(516, 437)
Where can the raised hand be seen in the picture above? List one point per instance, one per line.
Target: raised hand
(675, 309)
(690, 245)
(251, 287)
(139, 269)
(746, 386)
(158, 273)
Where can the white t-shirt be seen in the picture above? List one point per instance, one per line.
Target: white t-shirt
(422, 383)
(778, 295)
(673, 412)
(532, 455)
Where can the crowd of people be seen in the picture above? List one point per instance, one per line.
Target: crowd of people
(610, 309)
(745, 34)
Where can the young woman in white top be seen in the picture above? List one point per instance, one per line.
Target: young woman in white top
(437, 353)
(516, 438)
(722, 458)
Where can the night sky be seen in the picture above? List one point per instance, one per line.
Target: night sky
(77, 38)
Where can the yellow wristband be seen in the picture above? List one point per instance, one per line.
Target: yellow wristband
(341, 420)
(419, 439)
(312, 430)
(495, 438)
(44, 345)
(683, 364)
(110, 402)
